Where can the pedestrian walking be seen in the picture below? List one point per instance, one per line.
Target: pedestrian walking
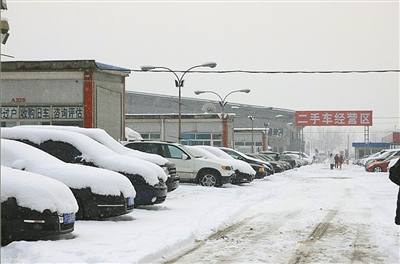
(340, 161)
(331, 161)
(336, 161)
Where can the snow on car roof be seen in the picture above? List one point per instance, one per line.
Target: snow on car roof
(36, 192)
(92, 151)
(22, 156)
(101, 136)
(237, 164)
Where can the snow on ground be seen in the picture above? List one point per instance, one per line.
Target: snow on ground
(337, 216)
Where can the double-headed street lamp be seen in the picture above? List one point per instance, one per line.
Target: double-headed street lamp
(179, 84)
(223, 103)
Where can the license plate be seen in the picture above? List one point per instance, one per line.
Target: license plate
(69, 218)
(130, 201)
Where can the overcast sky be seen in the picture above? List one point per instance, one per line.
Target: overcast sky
(249, 36)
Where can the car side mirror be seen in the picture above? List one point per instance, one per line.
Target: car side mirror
(185, 157)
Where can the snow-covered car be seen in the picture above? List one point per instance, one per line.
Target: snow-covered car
(100, 193)
(277, 166)
(190, 167)
(301, 155)
(258, 168)
(268, 170)
(73, 147)
(244, 173)
(34, 206)
(101, 136)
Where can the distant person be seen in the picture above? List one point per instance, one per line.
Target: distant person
(277, 157)
(394, 176)
(340, 160)
(331, 161)
(336, 161)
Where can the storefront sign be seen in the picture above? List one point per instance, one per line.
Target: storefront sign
(42, 112)
(334, 118)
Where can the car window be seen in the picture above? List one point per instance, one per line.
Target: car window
(61, 150)
(175, 153)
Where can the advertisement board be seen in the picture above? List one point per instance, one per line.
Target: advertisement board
(334, 118)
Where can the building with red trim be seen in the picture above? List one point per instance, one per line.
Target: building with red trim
(81, 93)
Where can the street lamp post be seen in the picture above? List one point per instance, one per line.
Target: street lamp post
(252, 132)
(179, 84)
(224, 118)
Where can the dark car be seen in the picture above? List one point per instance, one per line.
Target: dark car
(268, 170)
(72, 147)
(100, 193)
(34, 206)
(101, 136)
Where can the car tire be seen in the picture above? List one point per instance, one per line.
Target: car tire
(378, 169)
(209, 178)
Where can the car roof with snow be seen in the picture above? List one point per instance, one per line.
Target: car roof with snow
(36, 192)
(92, 151)
(22, 156)
(101, 136)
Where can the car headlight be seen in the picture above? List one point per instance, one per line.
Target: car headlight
(227, 167)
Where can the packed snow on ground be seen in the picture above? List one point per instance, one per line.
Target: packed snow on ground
(336, 216)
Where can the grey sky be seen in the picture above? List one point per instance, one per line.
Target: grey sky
(259, 36)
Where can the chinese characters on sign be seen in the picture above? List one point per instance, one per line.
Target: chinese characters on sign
(334, 118)
(39, 112)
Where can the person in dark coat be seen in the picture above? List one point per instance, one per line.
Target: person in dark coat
(336, 161)
(394, 176)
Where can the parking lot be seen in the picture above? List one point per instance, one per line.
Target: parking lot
(310, 214)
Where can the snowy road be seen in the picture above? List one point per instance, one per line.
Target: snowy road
(300, 224)
(309, 215)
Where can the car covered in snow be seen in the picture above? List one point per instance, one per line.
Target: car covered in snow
(268, 170)
(73, 147)
(190, 167)
(244, 173)
(100, 193)
(101, 136)
(380, 165)
(34, 206)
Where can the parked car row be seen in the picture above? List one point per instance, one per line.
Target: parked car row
(102, 178)
(379, 162)
(113, 183)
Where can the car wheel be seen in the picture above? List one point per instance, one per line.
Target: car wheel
(378, 169)
(209, 179)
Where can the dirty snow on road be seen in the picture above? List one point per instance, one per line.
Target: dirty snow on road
(308, 215)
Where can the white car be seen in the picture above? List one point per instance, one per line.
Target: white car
(100, 193)
(190, 166)
(244, 173)
(34, 206)
(72, 147)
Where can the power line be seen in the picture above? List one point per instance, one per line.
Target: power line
(283, 72)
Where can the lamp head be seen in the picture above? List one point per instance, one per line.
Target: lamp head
(198, 92)
(209, 64)
(147, 67)
(245, 91)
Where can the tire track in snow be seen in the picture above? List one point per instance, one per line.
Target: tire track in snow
(306, 248)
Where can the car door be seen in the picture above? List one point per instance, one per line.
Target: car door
(185, 164)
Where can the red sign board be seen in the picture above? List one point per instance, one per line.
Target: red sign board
(334, 118)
